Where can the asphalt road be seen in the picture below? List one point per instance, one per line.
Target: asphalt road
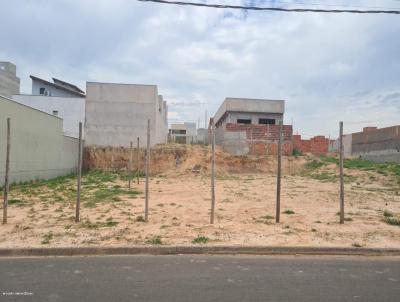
(200, 278)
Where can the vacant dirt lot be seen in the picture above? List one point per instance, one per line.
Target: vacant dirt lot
(42, 214)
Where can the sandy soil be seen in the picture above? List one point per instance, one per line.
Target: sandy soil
(180, 205)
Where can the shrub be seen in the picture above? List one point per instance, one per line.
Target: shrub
(392, 221)
(387, 213)
(201, 240)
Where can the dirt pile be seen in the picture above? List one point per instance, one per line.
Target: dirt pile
(182, 159)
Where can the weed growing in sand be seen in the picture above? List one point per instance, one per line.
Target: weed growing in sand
(314, 165)
(107, 194)
(392, 220)
(289, 212)
(267, 217)
(47, 238)
(18, 202)
(387, 213)
(155, 240)
(227, 200)
(87, 224)
(110, 222)
(140, 219)
(201, 240)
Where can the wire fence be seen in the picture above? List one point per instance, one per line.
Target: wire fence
(131, 174)
(139, 165)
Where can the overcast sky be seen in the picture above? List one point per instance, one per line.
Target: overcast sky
(326, 67)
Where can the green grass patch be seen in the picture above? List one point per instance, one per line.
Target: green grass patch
(87, 224)
(366, 165)
(313, 165)
(107, 194)
(99, 177)
(17, 202)
(201, 240)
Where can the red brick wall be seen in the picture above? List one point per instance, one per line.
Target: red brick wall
(263, 139)
(317, 145)
(261, 132)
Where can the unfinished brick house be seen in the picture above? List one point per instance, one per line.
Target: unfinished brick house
(251, 126)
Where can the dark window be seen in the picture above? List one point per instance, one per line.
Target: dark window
(243, 121)
(41, 90)
(175, 131)
(266, 121)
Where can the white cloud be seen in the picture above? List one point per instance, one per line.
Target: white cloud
(327, 67)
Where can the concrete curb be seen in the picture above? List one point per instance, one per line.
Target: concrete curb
(197, 250)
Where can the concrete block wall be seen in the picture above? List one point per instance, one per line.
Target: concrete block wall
(39, 150)
(117, 114)
(379, 145)
(347, 145)
(318, 145)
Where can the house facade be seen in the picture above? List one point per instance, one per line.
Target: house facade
(251, 126)
(58, 98)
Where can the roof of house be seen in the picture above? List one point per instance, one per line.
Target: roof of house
(250, 106)
(61, 85)
(71, 86)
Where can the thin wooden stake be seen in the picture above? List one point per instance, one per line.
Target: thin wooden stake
(137, 158)
(341, 160)
(79, 174)
(278, 177)
(130, 167)
(146, 207)
(6, 179)
(212, 173)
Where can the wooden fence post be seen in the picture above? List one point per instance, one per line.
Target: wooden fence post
(130, 166)
(79, 174)
(7, 172)
(212, 173)
(138, 158)
(146, 207)
(341, 162)
(278, 177)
